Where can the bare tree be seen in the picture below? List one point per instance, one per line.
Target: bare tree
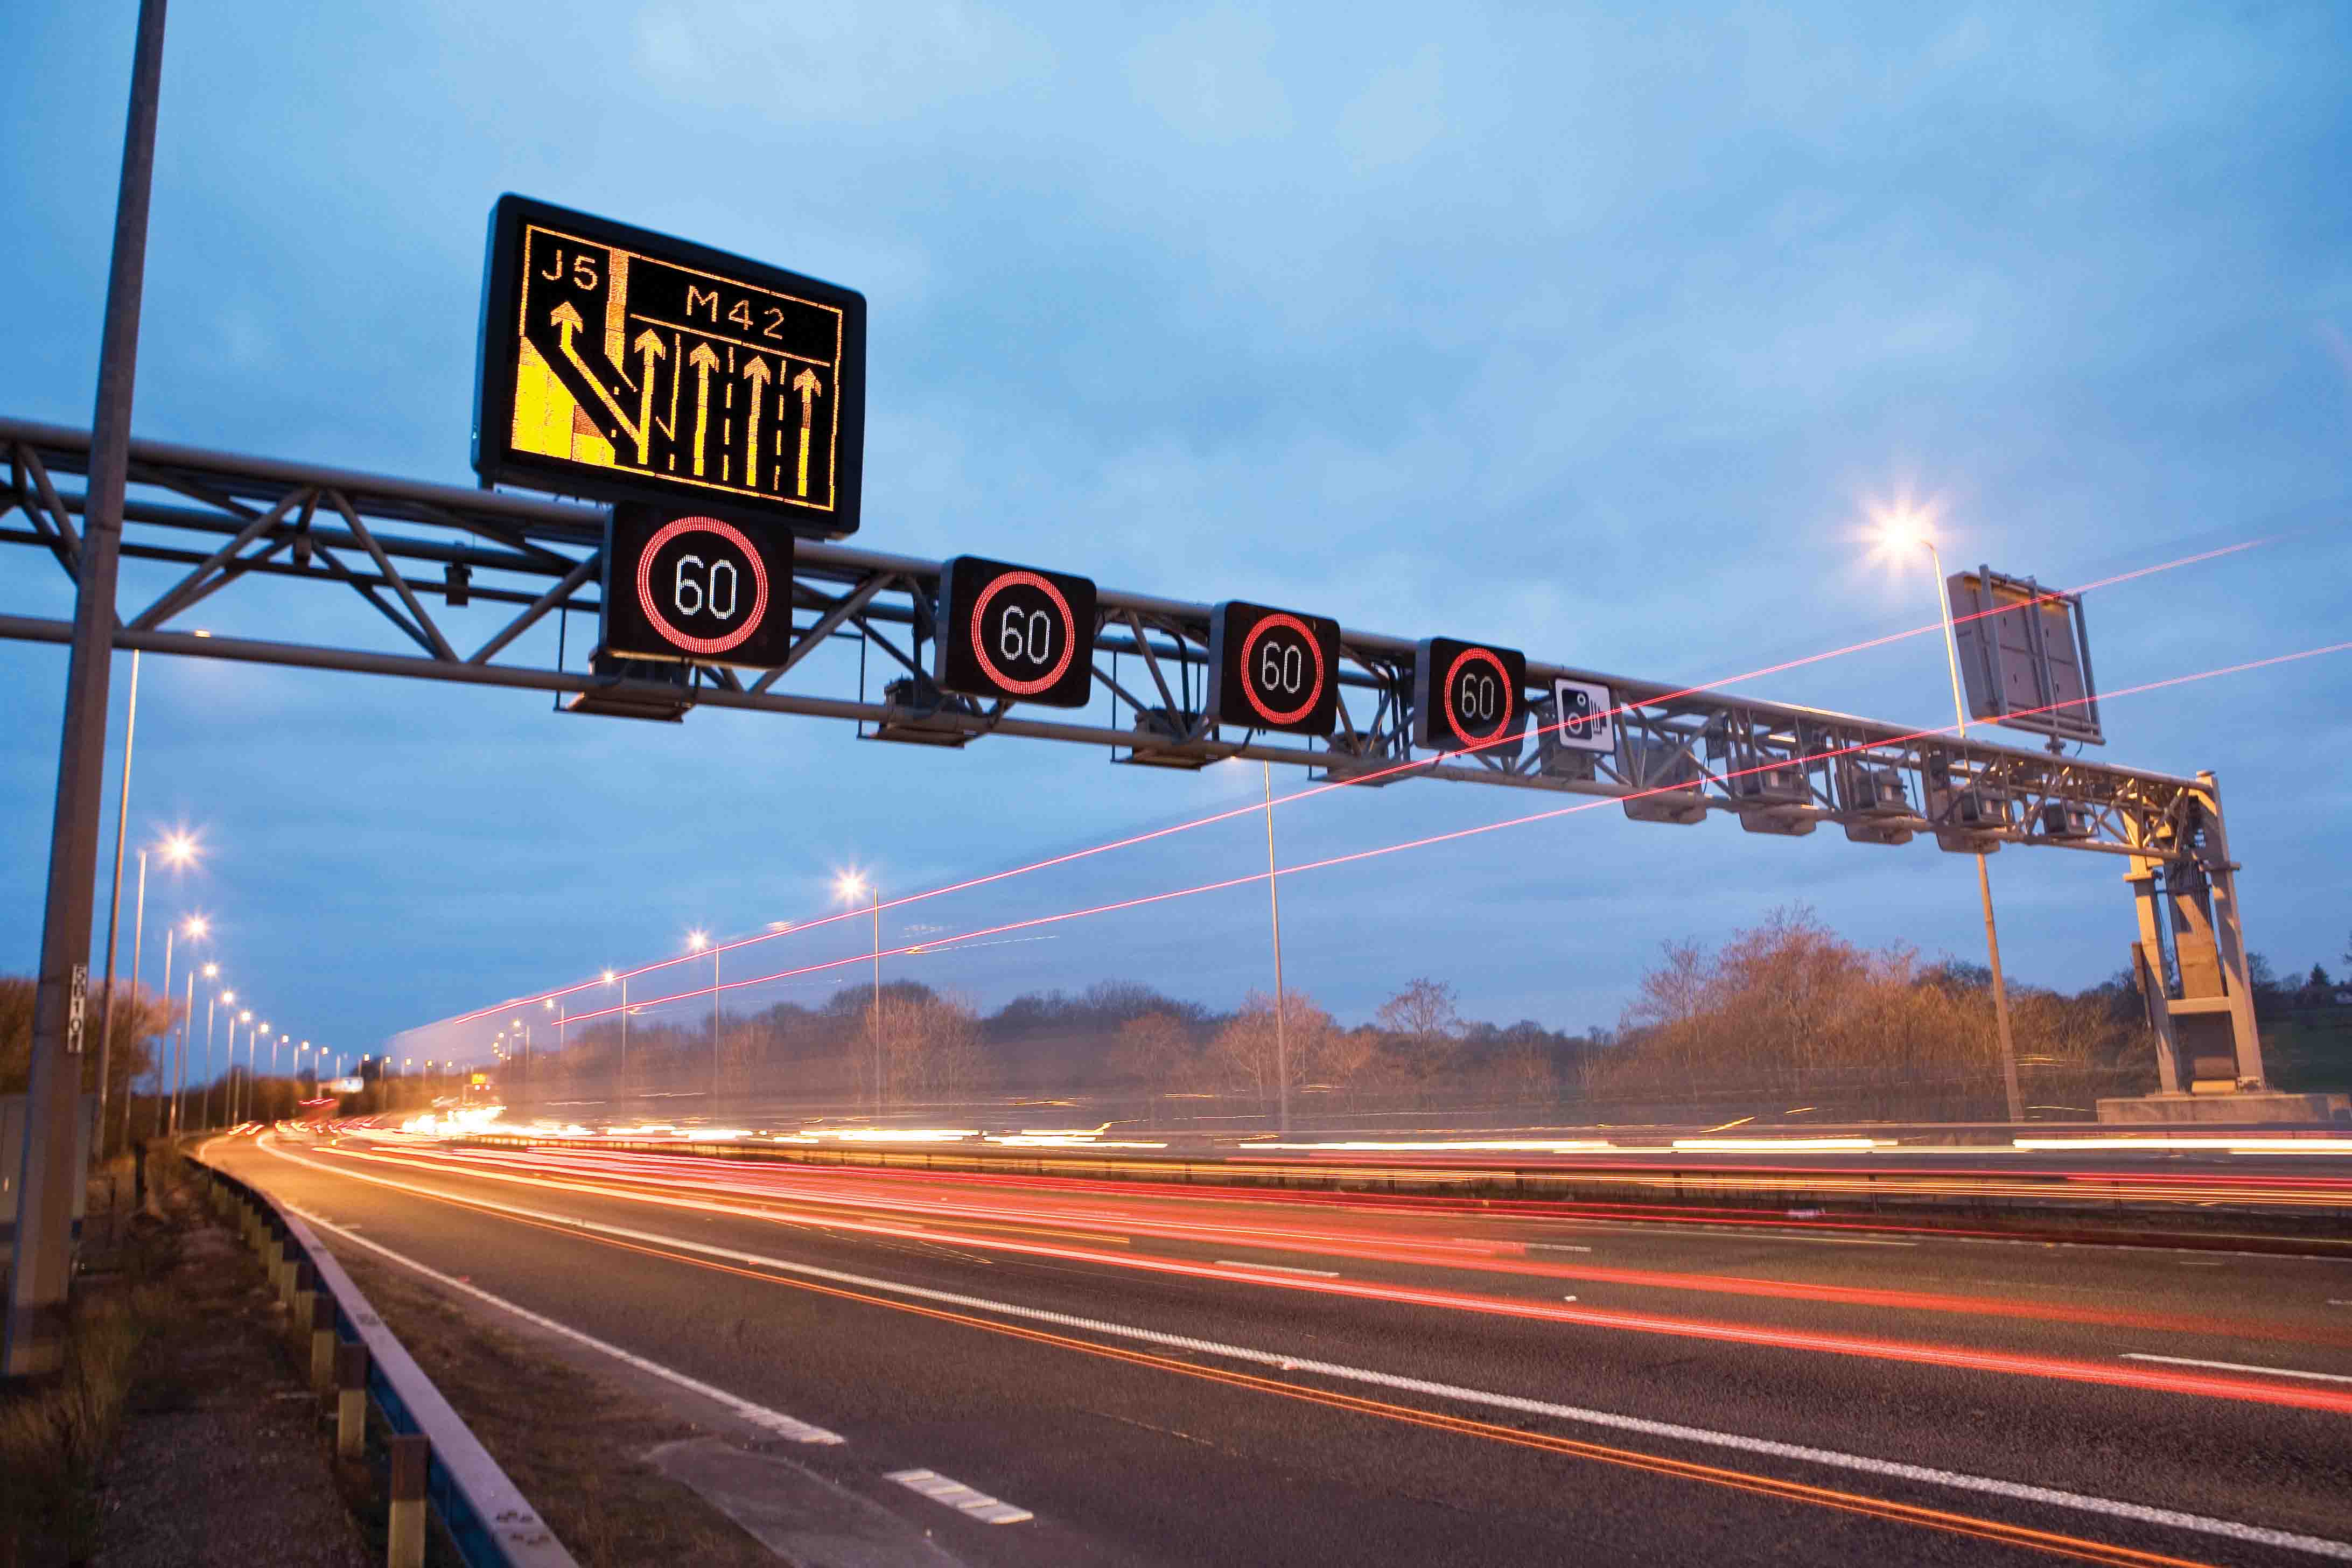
(1245, 1052)
(1156, 1052)
(1425, 1027)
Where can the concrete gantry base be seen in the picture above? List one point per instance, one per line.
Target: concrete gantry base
(2251, 1106)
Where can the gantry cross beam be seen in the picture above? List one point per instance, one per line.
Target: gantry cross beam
(415, 550)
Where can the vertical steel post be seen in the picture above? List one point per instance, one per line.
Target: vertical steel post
(179, 1058)
(714, 1025)
(877, 999)
(138, 937)
(114, 914)
(1274, 901)
(1984, 872)
(211, 1003)
(34, 1338)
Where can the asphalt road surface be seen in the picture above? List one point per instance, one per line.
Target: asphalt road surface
(1050, 1369)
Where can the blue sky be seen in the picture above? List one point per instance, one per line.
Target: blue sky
(1595, 332)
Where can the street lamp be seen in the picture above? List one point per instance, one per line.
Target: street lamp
(1906, 529)
(212, 971)
(696, 941)
(853, 886)
(246, 1111)
(194, 928)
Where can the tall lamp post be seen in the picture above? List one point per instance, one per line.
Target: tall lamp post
(212, 1000)
(696, 941)
(219, 997)
(1273, 904)
(244, 1111)
(852, 886)
(194, 927)
(1904, 529)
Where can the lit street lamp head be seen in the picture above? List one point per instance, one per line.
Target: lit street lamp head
(178, 848)
(696, 941)
(212, 971)
(197, 925)
(850, 885)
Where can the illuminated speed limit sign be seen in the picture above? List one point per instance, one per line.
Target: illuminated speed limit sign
(1273, 670)
(1015, 632)
(679, 585)
(1467, 695)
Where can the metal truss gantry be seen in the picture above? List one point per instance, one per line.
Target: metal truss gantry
(1680, 755)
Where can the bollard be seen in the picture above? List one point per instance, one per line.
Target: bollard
(351, 1399)
(322, 1341)
(404, 1535)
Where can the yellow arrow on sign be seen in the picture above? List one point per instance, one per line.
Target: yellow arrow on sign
(758, 373)
(567, 321)
(649, 344)
(809, 387)
(704, 361)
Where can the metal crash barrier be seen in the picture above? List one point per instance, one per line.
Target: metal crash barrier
(435, 1461)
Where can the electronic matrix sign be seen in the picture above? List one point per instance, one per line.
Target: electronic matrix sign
(679, 585)
(1015, 632)
(1273, 670)
(1467, 695)
(631, 366)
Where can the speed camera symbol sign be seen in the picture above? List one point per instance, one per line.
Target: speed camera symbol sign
(1581, 717)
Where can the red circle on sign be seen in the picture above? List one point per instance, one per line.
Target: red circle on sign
(1502, 679)
(1069, 633)
(734, 536)
(1249, 686)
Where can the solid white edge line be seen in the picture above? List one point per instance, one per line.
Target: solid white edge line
(760, 1415)
(2238, 1366)
(2201, 1524)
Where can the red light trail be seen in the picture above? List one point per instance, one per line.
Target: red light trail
(1957, 1357)
(1132, 841)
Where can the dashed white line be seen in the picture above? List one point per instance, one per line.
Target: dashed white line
(1276, 1267)
(2238, 1366)
(760, 1415)
(1860, 1464)
(1555, 1247)
(957, 1496)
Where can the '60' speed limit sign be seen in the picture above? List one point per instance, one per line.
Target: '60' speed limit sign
(680, 585)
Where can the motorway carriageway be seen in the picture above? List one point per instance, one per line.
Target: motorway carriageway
(2291, 1178)
(1055, 1371)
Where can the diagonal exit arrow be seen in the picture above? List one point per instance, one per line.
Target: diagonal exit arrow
(567, 321)
(758, 373)
(648, 344)
(809, 387)
(704, 361)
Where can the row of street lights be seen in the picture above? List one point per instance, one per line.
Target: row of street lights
(179, 850)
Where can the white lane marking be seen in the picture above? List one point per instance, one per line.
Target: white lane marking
(760, 1415)
(2201, 1263)
(1959, 1481)
(1276, 1267)
(957, 1495)
(1554, 1247)
(2238, 1366)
